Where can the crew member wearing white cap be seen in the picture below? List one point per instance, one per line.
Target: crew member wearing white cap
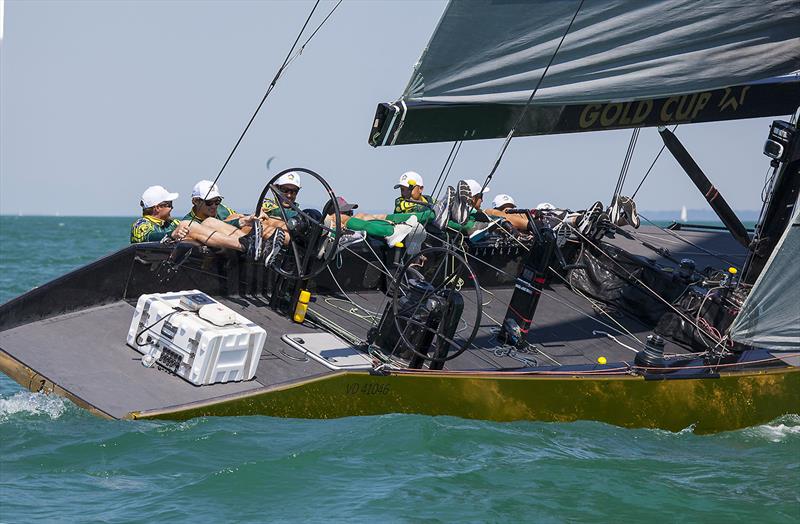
(157, 224)
(503, 202)
(207, 203)
(478, 191)
(289, 184)
(411, 186)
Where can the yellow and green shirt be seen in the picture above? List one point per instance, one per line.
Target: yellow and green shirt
(403, 205)
(151, 229)
(272, 209)
(223, 212)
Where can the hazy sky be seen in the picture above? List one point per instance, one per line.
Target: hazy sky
(100, 99)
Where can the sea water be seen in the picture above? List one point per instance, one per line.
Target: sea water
(59, 463)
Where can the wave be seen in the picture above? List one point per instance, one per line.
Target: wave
(779, 430)
(28, 403)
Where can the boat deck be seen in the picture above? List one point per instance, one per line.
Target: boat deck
(84, 352)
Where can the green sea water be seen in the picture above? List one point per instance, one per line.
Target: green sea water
(59, 463)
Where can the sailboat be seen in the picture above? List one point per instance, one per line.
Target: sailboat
(583, 320)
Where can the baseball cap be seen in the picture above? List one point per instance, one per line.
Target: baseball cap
(206, 189)
(544, 206)
(475, 187)
(501, 200)
(344, 206)
(155, 195)
(292, 178)
(409, 179)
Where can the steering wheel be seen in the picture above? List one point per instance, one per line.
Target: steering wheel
(306, 232)
(452, 274)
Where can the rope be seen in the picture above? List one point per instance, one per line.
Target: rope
(609, 371)
(718, 256)
(637, 280)
(528, 103)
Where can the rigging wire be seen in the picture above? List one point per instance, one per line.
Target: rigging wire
(267, 93)
(451, 159)
(286, 61)
(528, 103)
(664, 146)
(626, 164)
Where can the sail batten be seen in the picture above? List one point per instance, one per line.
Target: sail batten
(492, 53)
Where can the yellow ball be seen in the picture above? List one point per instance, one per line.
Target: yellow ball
(601, 360)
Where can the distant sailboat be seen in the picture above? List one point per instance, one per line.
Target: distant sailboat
(684, 215)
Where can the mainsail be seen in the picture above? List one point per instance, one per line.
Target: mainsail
(623, 64)
(770, 316)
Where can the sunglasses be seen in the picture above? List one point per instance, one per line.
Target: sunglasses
(288, 190)
(213, 202)
(165, 204)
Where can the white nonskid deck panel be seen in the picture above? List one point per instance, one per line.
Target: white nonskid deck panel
(329, 350)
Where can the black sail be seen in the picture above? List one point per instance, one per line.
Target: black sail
(623, 64)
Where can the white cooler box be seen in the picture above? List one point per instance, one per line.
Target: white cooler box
(195, 337)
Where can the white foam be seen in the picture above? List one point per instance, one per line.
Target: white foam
(778, 430)
(32, 404)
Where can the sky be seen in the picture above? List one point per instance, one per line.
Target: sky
(100, 99)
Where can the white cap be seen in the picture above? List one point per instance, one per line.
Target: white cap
(502, 199)
(545, 205)
(292, 178)
(475, 187)
(410, 179)
(155, 195)
(205, 189)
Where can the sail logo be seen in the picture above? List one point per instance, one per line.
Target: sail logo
(729, 99)
(673, 109)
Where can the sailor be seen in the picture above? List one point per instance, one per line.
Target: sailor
(289, 185)
(411, 199)
(157, 225)
(476, 190)
(207, 202)
(412, 210)
(500, 204)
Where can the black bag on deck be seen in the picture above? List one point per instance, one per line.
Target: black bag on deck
(613, 277)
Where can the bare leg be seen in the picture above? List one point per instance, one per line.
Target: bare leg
(520, 222)
(222, 227)
(269, 225)
(367, 216)
(210, 237)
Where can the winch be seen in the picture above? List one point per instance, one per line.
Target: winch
(422, 314)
